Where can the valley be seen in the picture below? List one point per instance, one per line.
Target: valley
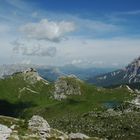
(70, 105)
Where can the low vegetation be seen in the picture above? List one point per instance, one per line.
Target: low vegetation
(86, 113)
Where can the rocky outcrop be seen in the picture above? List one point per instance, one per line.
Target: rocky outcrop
(41, 127)
(66, 86)
(4, 132)
(37, 128)
(31, 76)
(38, 125)
(136, 101)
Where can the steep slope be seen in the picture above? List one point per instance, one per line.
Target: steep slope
(130, 74)
(23, 90)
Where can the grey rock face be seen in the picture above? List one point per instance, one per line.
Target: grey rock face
(136, 101)
(32, 76)
(133, 71)
(4, 132)
(41, 128)
(66, 86)
(39, 125)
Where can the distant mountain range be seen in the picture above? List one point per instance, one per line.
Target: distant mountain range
(52, 73)
(129, 75)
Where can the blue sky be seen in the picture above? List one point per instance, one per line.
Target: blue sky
(98, 33)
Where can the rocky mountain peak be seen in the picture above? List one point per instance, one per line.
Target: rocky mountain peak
(132, 71)
(130, 74)
(134, 63)
(29, 70)
(31, 75)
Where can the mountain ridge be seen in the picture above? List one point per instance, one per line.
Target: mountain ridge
(130, 74)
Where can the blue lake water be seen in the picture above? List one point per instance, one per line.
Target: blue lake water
(111, 104)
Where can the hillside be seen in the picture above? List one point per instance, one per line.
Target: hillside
(29, 91)
(25, 94)
(130, 74)
(36, 128)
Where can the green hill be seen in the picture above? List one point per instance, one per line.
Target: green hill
(25, 94)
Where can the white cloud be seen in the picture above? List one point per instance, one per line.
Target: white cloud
(113, 52)
(98, 52)
(47, 30)
(134, 12)
(98, 26)
(19, 4)
(33, 48)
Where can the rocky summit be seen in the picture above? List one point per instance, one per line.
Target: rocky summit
(130, 74)
(132, 71)
(65, 86)
(32, 76)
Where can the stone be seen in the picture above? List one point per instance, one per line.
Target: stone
(4, 132)
(39, 125)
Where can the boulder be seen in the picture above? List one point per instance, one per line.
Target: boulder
(39, 125)
(4, 132)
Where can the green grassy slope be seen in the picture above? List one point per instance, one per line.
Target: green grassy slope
(20, 98)
(41, 102)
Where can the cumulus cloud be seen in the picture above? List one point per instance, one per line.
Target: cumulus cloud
(47, 30)
(26, 48)
(87, 62)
